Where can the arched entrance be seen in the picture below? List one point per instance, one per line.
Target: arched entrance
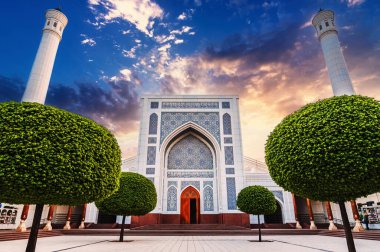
(190, 206)
(275, 218)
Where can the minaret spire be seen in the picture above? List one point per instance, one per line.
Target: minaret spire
(324, 24)
(39, 78)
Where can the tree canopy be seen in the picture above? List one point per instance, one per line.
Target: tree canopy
(256, 200)
(51, 156)
(136, 196)
(328, 150)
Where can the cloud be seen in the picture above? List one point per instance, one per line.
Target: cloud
(140, 13)
(352, 3)
(184, 29)
(87, 41)
(182, 16)
(178, 41)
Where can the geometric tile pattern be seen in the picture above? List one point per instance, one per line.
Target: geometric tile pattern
(195, 184)
(150, 171)
(231, 193)
(190, 153)
(154, 105)
(208, 199)
(207, 183)
(207, 120)
(228, 140)
(229, 155)
(227, 130)
(152, 140)
(230, 171)
(197, 174)
(190, 105)
(172, 199)
(225, 105)
(151, 155)
(153, 122)
(172, 183)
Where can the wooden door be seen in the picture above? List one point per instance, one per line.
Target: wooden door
(187, 194)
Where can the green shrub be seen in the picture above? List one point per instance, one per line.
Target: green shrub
(256, 200)
(328, 150)
(136, 196)
(51, 156)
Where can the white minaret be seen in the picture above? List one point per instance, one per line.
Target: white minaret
(336, 65)
(39, 77)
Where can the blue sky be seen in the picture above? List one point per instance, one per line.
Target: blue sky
(113, 51)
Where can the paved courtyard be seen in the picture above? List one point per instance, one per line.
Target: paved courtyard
(191, 243)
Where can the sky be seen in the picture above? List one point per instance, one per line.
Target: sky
(114, 51)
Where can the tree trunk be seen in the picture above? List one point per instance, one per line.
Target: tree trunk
(347, 228)
(122, 230)
(31, 247)
(258, 218)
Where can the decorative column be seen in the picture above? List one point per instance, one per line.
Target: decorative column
(358, 225)
(332, 226)
(24, 215)
(68, 219)
(298, 225)
(48, 226)
(311, 216)
(83, 217)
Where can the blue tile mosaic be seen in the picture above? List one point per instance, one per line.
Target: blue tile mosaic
(152, 140)
(151, 155)
(208, 199)
(231, 193)
(229, 155)
(172, 199)
(197, 174)
(190, 153)
(172, 183)
(228, 140)
(154, 105)
(227, 130)
(207, 183)
(153, 123)
(190, 105)
(230, 171)
(207, 120)
(225, 105)
(150, 171)
(195, 184)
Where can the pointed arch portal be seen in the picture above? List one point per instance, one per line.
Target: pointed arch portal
(190, 206)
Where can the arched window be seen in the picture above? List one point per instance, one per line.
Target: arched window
(153, 123)
(172, 199)
(227, 124)
(208, 199)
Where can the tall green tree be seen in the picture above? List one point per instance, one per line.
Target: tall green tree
(51, 156)
(329, 151)
(256, 200)
(136, 196)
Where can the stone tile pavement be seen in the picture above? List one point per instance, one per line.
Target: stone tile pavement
(293, 243)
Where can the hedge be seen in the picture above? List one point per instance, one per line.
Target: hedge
(51, 156)
(328, 150)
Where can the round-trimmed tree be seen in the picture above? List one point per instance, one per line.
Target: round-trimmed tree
(136, 196)
(328, 151)
(256, 200)
(51, 156)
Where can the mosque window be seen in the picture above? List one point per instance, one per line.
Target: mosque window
(327, 24)
(153, 122)
(231, 193)
(172, 199)
(55, 24)
(225, 105)
(154, 105)
(208, 199)
(227, 124)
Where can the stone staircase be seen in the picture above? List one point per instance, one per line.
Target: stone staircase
(367, 235)
(13, 235)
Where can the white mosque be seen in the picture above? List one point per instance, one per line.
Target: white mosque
(190, 147)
